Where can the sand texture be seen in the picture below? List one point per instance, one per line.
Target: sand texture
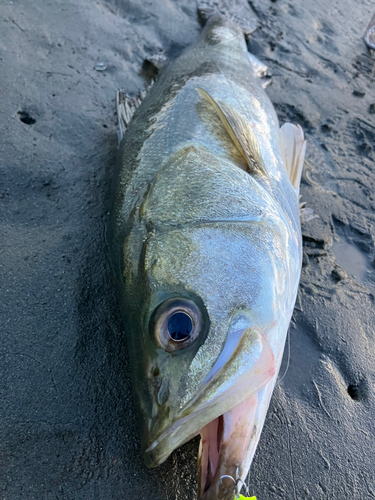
(67, 427)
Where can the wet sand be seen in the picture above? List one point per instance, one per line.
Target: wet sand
(67, 427)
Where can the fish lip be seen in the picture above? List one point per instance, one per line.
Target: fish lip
(177, 424)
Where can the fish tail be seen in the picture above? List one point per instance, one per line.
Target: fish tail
(237, 11)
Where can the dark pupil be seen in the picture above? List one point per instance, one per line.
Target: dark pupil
(180, 326)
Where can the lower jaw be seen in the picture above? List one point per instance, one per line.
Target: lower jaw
(224, 450)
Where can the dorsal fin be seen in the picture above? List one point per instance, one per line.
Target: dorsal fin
(293, 146)
(239, 130)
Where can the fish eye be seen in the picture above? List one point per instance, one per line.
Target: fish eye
(177, 323)
(180, 326)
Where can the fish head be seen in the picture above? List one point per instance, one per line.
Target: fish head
(207, 302)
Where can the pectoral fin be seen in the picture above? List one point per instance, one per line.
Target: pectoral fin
(293, 147)
(239, 130)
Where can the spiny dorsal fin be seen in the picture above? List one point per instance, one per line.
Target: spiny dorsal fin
(126, 107)
(293, 147)
(239, 130)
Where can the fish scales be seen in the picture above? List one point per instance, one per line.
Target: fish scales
(205, 243)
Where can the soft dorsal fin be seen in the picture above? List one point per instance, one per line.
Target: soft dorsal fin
(293, 147)
(239, 130)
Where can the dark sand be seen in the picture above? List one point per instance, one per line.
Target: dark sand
(67, 428)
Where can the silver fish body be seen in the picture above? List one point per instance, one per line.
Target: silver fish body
(204, 233)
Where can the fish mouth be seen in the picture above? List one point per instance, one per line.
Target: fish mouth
(228, 413)
(226, 449)
(227, 446)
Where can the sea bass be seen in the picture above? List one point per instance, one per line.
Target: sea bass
(205, 242)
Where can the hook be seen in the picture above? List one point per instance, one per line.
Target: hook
(237, 483)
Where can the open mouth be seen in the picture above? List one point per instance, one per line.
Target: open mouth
(226, 449)
(211, 437)
(229, 430)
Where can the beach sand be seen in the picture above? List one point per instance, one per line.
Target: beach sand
(67, 425)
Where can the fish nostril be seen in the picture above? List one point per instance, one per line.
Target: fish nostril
(163, 393)
(156, 379)
(180, 326)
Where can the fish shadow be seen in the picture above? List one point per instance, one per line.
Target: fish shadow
(108, 426)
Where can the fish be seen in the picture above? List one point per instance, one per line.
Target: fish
(205, 243)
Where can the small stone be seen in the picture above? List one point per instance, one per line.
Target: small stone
(316, 252)
(338, 274)
(100, 66)
(305, 260)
